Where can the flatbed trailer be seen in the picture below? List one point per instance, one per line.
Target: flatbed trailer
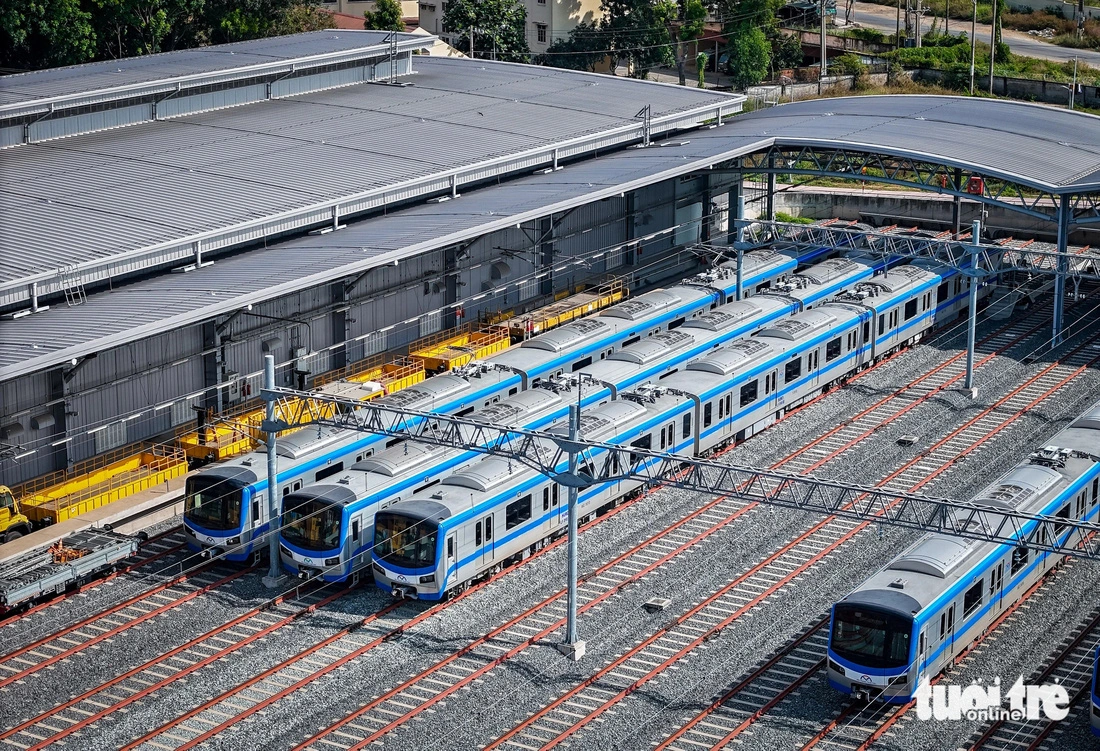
(70, 562)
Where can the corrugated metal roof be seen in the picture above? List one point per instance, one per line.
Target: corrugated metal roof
(163, 303)
(159, 185)
(241, 58)
(1045, 147)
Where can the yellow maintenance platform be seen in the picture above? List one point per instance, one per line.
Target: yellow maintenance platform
(104, 479)
(452, 349)
(564, 310)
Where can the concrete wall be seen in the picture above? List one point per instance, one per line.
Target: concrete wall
(1069, 9)
(1048, 92)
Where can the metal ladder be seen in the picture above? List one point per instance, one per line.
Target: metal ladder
(72, 285)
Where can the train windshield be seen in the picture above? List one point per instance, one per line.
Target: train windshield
(213, 503)
(870, 637)
(404, 541)
(311, 524)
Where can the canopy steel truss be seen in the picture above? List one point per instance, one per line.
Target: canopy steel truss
(600, 462)
(1038, 258)
(850, 164)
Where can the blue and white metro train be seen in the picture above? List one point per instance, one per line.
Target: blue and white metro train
(909, 620)
(225, 508)
(311, 544)
(488, 512)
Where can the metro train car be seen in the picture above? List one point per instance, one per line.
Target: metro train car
(908, 621)
(1094, 714)
(306, 553)
(225, 508)
(442, 537)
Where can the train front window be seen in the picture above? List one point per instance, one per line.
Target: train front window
(213, 503)
(311, 524)
(871, 638)
(404, 541)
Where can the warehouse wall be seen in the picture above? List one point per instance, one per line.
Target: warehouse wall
(156, 383)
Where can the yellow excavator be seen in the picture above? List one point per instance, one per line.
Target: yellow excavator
(13, 524)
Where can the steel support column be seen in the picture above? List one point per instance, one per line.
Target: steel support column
(736, 194)
(275, 575)
(972, 313)
(771, 187)
(1063, 270)
(739, 245)
(573, 647)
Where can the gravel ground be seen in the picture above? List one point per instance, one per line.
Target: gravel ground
(505, 697)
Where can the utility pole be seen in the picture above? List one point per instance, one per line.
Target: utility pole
(1073, 86)
(275, 576)
(824, 65)
(897, 30)
(972, 314)
(973, 44)
(918, 19)
(572, 647)
(947, 19)
(992, 45)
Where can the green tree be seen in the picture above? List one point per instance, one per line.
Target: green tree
(44, 33)
(691, 25)
(498, 28)
(637, 32)
(386, 16)
(583, 49)
(786, 51)
(749, 55)
(701, 69)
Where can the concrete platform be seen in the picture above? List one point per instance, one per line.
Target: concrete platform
(128, 516)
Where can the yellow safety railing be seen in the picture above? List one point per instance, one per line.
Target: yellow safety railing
(454, 348)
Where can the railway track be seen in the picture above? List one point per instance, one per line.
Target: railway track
(1071, 667)
(857, 727)
(379, 717)
(576, 708)
(25, 661)
(192, 729)
(15, 624)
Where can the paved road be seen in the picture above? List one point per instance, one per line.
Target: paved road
(885, 19)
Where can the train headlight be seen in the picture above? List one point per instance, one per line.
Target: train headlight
(427, 579)
(835, 667)
(378, 568)
(332, 561)
(285, 551)
(233, 541)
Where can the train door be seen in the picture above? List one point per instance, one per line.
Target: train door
(483, 541)
(951, 625)
(922, 657)
(551, 509)
(996, 588)
(451, 553)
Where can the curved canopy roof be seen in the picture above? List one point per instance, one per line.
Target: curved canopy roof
(1051, 149)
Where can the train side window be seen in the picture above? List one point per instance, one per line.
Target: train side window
(355, 530)
(942, 293)
(451, 548)
(513, 391)
(488, 528)
(672, 435)
(729, 405)
(1095, 490)
(749, 393)
(477, 534)
(996, 580)
(832, 350)
(297, 485)
(687, 425)
(286, 490)
(910, 309)
(707, 414)
(582, 363)
(328, 471)
(255, 511)
(866, 331)
(1020, 557)
(923, 645)
(645, 443)
(1063, 513)
(958, 285)
(972, 600)
(793, 370)
(721, 408)
(768, 383)
(516, 512)
(662, 439)
(546, 499)
(554, 495)
(943, 625)
(881, 324)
